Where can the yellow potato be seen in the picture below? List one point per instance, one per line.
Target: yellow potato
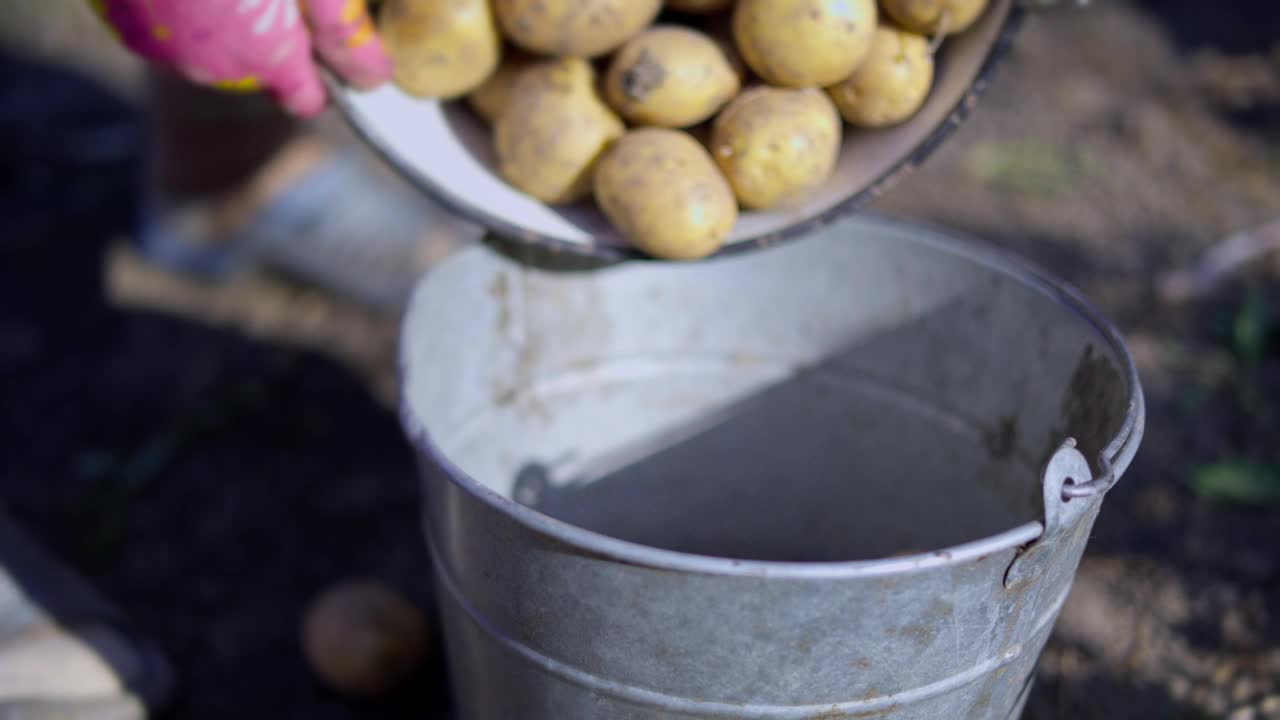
(489, 99)
(670, 76)
(926, 16)
(891, 84)
(804, 43)
(699, 6)
(577, 28)
(776, 145)
(440, 49)
(552, 129)
(662, 191)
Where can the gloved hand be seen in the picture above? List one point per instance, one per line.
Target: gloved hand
(249, 45)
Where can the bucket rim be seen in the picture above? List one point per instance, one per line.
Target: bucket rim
(1113, 459)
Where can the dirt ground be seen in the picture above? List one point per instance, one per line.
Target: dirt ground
(211, 456)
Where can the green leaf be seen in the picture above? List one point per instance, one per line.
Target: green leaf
(1027, 167)
(1251, 328)
(95, 464)
(1239, 481)
(148, 463)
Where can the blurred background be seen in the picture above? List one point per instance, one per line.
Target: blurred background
(211, 456)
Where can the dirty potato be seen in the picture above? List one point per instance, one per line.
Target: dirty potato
(670, 76)
(488, 99)
(576, 28)
(662, 192)
(776, 145)
(699, 7)
(363, 638)
(440, 49)
(804, 43)
(891, 84)
(552, 129)
(930, 17)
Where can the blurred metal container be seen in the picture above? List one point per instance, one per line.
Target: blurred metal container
(848, 477)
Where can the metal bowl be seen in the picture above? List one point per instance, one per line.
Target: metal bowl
(443, 148)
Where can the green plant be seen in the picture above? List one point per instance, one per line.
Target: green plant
(1238, 481)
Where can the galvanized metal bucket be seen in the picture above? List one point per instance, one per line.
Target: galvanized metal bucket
(848, 477)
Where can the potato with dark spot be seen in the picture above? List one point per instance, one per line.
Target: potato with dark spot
(891, 84)
(552, 129)
(440, 48)
(574, 28)
(930, 17)
(804, 43)
(670, 76)
(699, 7)
(489, 99)
(663, 193)
(776, 145)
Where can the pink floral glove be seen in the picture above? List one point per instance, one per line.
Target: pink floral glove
(252, 45)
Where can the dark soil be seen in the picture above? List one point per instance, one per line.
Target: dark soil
(213, 456)
(247, 477)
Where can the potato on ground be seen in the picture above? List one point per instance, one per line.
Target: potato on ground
(489, 99)
(670, 76)
(804, 43)
(929, 17)
(662, 191)
(776, 145)
(440, 48)
(574, 28)
(552, 129)
(891, 84)
(363, 638)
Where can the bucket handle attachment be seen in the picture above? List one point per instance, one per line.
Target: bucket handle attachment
(1074, 488)
(1068, 484)
(1067, 471)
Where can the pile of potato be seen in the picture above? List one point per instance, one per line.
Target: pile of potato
(673, 126)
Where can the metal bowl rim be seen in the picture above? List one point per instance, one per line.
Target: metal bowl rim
(855, 201)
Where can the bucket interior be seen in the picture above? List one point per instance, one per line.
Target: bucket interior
(868, 392)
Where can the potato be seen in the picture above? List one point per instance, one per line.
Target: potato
(577, 28)
(363, 638)
(440, 49)
(489, 99)
(670, 76)
(776, 145)
(804, 43)
(552, 129)
(700, 7)
(662, 191)
(926, 16)
(891, 84)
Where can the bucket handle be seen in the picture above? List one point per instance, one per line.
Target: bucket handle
(1067, 482)
(1067, 469)
(1106, 462)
